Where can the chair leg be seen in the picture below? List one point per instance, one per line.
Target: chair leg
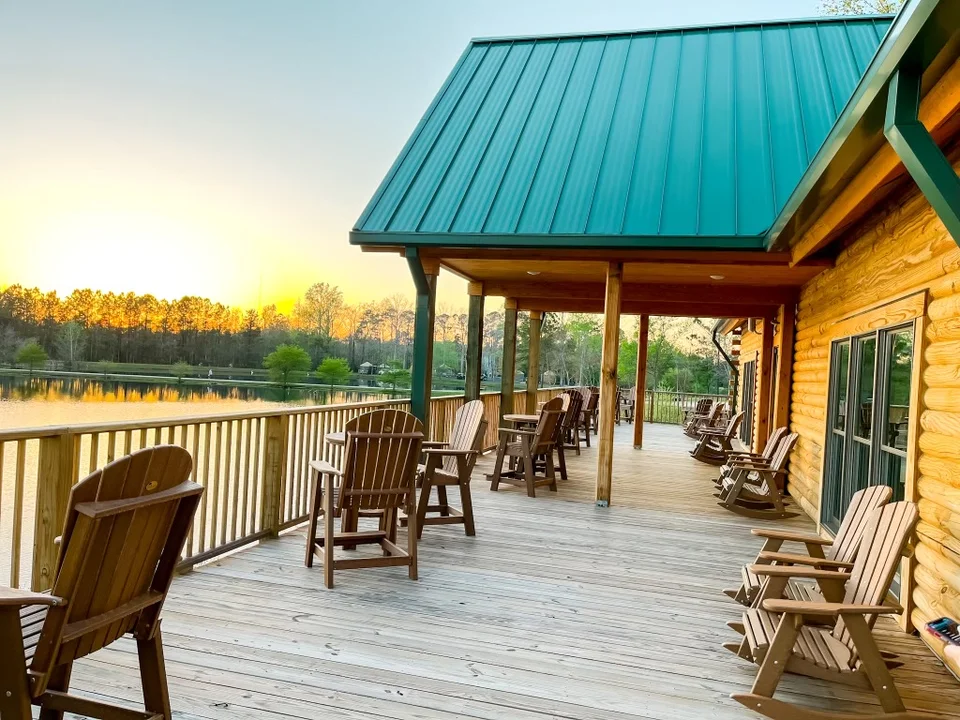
(329, 520)
(312, 521)
(59, 682)
(443, 501)
(498, 464)
(14, 690)
(873, 664)
(528, 470)
(775, 662)
(413, 532)
(466, 501)
(153, 675)
(550, 471)
(561, 460)
(425, 491)
(389, 520)
(350, 523)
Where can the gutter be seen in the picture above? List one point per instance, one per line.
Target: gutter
(734, 370)
(918, 151)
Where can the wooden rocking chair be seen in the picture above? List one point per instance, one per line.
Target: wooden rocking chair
(756, 491)
(704, 413)
(793, 635)
(379, 475)
(716, 445)
(125, 528)
(451, 463)
(523, 448)
(745, 457)
(839, 555)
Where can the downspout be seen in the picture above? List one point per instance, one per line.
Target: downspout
(918, 151)
(734, 370)
(422, 328)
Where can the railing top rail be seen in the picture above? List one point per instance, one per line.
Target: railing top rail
(149, 424)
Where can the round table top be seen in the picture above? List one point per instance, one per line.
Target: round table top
(521, 418)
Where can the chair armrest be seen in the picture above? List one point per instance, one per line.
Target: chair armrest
(511, 431)
(793, 571)
(11, 597)
(449, 451)
(802, 607)
(774, 534)
(794, 559)
(430, 444)
(324, 468)
(107, 508)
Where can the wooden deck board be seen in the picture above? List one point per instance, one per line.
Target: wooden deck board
(557, 609)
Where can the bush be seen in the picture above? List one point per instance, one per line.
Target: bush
(333, 371)
(286, 362)
(31, 354)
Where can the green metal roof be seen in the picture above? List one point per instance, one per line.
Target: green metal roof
(686, 137)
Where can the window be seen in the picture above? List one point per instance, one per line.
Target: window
(747, 402)
(868, 417)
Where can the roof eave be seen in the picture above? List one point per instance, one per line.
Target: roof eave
(553, 241)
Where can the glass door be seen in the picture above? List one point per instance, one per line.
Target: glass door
(831, 514)
(894, 411)
(856, 475)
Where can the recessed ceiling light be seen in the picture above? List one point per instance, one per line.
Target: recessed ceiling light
(717, 277)
(533, 272)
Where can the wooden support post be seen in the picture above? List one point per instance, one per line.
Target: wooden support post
(421, 381)
(474, 342)
(761, 410)
(781, 414)
(57, 472)
(608, 381)
(274, 467)
(639, 406)
(509, 371)
(533, 360)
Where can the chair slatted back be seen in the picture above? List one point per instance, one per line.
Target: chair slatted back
(574, 410)
(125, 528)
(566, 401)
(703, 407)
(468, 428)
(593, 398)
(782, 453)
(850, 534)
(716, 413)
(733, 425)
(545, 436)
(382, 450)
(773, 442)
(885, 539)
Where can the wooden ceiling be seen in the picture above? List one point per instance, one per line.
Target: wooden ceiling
(685, 282)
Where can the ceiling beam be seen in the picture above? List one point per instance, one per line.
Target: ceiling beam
(634, 307)
(661, 293)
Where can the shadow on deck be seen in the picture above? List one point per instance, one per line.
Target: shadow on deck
(556, 609)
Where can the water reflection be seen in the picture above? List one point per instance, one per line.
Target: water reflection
(20, 388)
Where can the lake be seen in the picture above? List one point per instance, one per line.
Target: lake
(33, 402)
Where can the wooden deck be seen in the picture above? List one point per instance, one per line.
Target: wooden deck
(557, 609)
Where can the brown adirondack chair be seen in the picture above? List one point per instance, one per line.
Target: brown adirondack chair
(540, 461)
(716, 445)
(451, 463)
(523, 447)
(704, 413)
(592, 410)
(839, 556)
(569, 431)
(125, 528)
(755, 491)
(588, 407)
(382, 450)
(745, 457)
(627, 407)
(794, 635)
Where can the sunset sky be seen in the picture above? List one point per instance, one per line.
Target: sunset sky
(225, 148)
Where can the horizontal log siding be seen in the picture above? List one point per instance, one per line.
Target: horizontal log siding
(902, 250)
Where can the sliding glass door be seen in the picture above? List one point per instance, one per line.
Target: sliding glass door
(867, 417)
(747, 403)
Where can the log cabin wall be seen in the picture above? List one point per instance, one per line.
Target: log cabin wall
(897, 263)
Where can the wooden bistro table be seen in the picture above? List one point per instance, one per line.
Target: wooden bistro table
(522, 418)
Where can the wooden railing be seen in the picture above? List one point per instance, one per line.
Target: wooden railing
(254, 466)
(663, 406)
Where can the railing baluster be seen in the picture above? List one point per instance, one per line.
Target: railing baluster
(17, 534)
(111, 446)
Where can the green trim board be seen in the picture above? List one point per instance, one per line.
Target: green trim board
(677, 138)
(913, 144)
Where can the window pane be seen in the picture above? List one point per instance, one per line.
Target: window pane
(893, 473)
(840, 396)
(899, 373)
(864, 415)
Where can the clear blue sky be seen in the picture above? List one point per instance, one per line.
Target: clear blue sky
(239, 140)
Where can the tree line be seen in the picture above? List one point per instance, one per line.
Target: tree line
(376, 336)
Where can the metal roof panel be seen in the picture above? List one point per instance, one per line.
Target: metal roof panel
(682, 133)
